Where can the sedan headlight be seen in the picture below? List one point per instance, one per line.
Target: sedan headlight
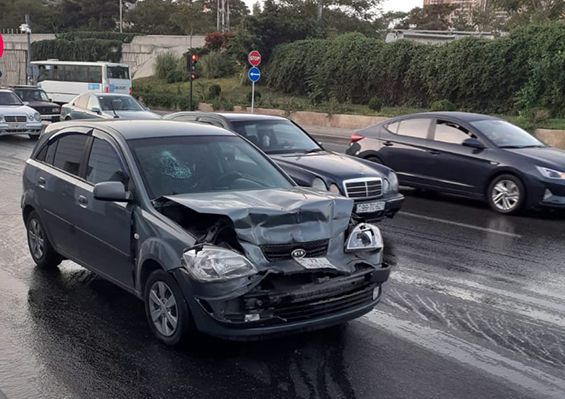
(334, 189)
(364, 237)
(550, 173)
(37, 117)
(211, 264)
(1, 118)
(319, 184)
(391, 183)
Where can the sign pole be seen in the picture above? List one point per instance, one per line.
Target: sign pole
(252, 97)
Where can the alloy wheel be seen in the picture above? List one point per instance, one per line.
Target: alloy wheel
(163, 308)
(506, 195)
(36, 239)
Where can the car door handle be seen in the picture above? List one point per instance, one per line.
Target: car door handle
(82, 201)
(41, 182)
(434, 152)
(388, 144)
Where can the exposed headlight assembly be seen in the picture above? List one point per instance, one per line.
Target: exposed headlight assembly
(37, 117)
(212, 264)
(550, 173)
(318, 184)
(364, 237)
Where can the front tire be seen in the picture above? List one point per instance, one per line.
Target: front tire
(166, 309)
(506, 194)
(40, 247)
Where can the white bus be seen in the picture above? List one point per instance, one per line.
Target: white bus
(64, 80)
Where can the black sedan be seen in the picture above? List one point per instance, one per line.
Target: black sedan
(374, 188)
(37, 99)
(467, 154)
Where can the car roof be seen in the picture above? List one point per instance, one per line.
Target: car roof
(109, 94)
(229, 116)
(146, 129)
(24, 87)
(6, 90)
(460, 116)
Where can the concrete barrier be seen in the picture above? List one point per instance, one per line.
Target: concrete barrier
(555, 138)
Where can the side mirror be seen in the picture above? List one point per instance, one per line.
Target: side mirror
(147, 109)
(96, 110)
(111, 191)
(50, 100)
(473, 143)
(26, 103)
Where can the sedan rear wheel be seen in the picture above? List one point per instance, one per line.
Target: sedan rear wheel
(40, 247)
(506, 194)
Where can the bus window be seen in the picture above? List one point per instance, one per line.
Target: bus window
(94, 74)
(117, 72)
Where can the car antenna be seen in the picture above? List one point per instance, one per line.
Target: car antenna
(113, 109)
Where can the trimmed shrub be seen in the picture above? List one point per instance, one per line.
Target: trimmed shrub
(376, 104)
(214, 91)
(82, 35)
(443, 105)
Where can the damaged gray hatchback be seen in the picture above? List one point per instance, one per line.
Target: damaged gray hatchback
(202, 226)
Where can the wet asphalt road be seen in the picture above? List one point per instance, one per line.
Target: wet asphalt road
(475, 309)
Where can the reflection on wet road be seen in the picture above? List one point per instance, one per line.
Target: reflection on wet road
(475, 309)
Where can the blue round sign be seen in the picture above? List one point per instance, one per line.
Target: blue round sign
(254, 74)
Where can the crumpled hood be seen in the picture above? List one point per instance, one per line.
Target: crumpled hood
(277, 216)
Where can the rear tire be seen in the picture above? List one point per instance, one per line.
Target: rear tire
(167, 311)
(506, 194)
(40, 247)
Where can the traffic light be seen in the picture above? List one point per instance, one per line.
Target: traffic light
(193, 61)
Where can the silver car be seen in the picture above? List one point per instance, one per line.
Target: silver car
(105, 106)
(16, 117)
(202, 226)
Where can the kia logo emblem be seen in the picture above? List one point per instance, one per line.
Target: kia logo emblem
(298, 253)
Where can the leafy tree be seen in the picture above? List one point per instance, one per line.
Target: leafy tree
(431, 17)
(91, 14)
(523, 12)
(44, 14)
(153, 17)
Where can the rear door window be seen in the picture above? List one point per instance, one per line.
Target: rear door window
(451, 132)
(104, 164)
(418, 128)
(69, 153)
(92, 103)
(82, 101)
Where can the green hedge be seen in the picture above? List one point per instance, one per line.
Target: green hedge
(82, 35)
(507, 74)
(78, 50)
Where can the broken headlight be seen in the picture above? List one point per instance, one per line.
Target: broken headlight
(364, 237)
(210, 264)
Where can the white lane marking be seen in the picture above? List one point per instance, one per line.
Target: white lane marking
(518, 373)
(469, 226)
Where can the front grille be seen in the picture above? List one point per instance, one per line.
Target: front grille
(314, 249)
(47, 110)
(363, 188)
(320, 307)
(8, 118)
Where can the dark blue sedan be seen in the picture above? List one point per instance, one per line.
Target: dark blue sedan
(467, 154)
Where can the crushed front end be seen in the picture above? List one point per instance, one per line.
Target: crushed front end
(267, 270)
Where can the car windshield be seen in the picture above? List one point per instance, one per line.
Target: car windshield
(198, 164)
(9, 98)
(276, 136)
(506, 135)
(119, 103)
(32, 95)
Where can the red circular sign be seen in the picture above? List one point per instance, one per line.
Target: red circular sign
(254, 58)
(1, 46)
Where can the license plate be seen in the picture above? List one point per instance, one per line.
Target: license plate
(371, 207)
(17, 126)
(315, 263)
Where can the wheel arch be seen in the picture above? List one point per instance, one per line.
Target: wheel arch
(500, 172)
(147, 267)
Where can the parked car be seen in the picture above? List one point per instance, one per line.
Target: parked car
(467, 154)
(374, 188)
(201, 225)
(17, 118)
(37, 99)
(105, 106)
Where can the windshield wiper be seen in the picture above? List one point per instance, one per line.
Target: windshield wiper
(113, 109)
(521, 146)
(314, 150)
